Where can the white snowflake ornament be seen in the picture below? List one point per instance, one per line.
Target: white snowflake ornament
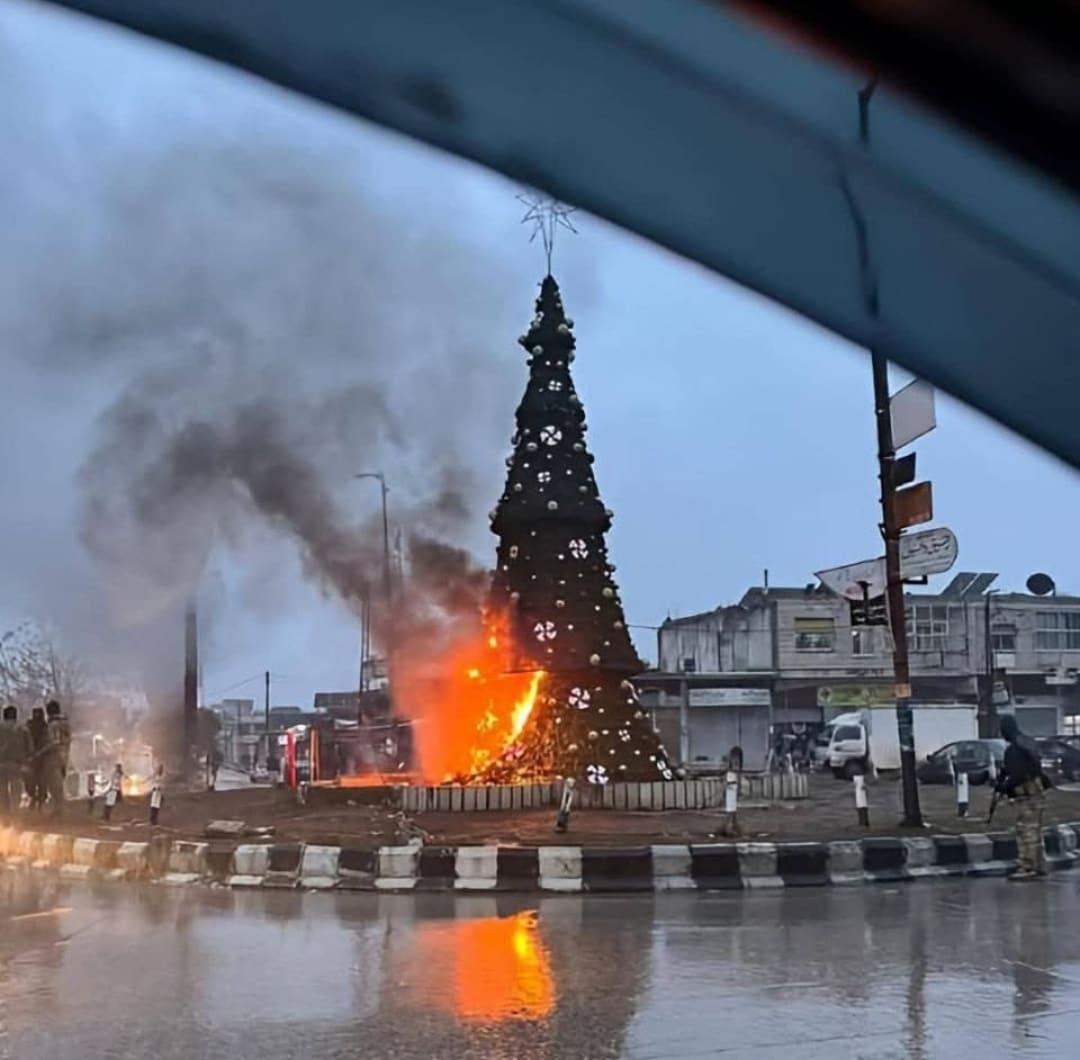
(580, 698)
(596, 774)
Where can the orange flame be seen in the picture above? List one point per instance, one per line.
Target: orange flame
(467, 709)
(487, 970)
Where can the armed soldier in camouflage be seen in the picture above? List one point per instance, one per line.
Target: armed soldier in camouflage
(14, 756)
(1024, 782)
(54, 760)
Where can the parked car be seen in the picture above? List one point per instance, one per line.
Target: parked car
(968, 756)
(1060, 756)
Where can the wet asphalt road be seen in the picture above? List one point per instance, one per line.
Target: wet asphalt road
(923, 970)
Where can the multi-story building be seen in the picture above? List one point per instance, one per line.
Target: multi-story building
(241, 727)
(791, 657)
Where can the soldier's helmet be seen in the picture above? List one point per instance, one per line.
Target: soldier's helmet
(52, 708)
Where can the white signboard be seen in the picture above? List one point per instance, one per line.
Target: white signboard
(729, 697)
(912, 413)
(928, 552)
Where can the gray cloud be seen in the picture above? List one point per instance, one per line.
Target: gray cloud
(242, 324)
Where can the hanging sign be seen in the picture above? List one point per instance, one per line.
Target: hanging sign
(912, 413)
(913, 505)
(928, 552)
(869, 612)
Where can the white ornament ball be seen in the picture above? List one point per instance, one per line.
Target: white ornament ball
(573, 747)
(515, 596)
(593, 734)
(560, 603)
(607, 590)
(618, 625)
(578, 447)
(563, 329)
(537, 350)
(583, 489)
(594, 660)
(518, 487)
(552, 506)
(531, 446)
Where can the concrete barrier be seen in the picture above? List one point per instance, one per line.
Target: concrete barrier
(476, 868)
(250, 862)
(133, 860)
(845, 863)
(560, 868)
(672, 867)
(397, 868)
(618, 869)
(659, 868)
(319, 867)
(802, 864)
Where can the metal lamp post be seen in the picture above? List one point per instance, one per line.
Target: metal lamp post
(388, 588)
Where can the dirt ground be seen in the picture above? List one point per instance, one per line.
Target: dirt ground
(829, 813)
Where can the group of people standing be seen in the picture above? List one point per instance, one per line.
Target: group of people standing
(34, 758)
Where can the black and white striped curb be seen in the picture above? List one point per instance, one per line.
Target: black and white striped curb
(669, 867)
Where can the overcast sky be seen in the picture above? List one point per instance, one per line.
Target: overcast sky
(155, 204)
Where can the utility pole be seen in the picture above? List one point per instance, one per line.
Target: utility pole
(191, 686)
(266, 707)
(894, 590)
(890, 527)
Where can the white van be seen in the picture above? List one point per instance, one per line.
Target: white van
(849, 749)
(849, 745)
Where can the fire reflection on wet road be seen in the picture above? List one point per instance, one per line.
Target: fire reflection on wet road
(920, 971)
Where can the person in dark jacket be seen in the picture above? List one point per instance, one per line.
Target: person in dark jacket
(37, 729)
(1023, 781)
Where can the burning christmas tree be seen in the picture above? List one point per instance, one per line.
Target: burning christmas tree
(553, 592)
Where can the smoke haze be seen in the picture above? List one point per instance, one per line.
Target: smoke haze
(234, 318)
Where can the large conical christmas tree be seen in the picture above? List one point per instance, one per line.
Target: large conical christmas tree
(554, 585)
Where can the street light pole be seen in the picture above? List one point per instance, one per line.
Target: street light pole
(388, 585)
(988, 715)
(387, 579)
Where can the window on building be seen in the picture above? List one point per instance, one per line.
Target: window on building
(689, 665)
(864, 640)
(1003, 638)
(928, 627)
(1071, 723)
(1057, 631)
(815, 634)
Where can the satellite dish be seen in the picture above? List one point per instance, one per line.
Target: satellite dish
(1040, 584)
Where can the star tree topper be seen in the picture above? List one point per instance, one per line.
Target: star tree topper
(546, 215)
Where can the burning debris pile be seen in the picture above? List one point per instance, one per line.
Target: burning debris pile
(549, 694)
